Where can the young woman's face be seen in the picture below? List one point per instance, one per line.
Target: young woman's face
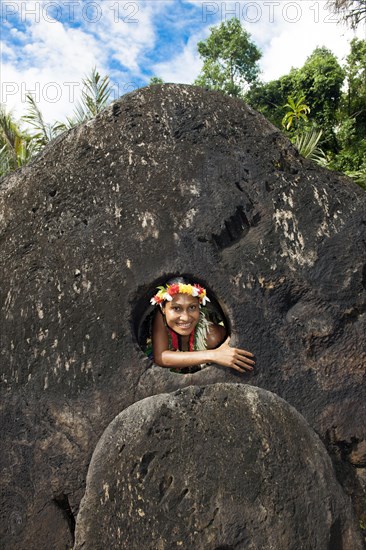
(182, 313)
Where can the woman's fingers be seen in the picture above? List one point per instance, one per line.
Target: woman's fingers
(242, 365)
(234, 367)
(235, 358)
(242, 360)
(241, 368)
(245, 355)
(245, 359)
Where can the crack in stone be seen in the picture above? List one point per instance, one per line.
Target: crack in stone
(235, 228)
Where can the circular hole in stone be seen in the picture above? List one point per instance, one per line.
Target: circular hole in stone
(143, 312)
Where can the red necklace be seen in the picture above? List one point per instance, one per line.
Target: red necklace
(175, 339)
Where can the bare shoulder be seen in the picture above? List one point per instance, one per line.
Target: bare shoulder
(158, 322)
(216, 336)
(159, 332)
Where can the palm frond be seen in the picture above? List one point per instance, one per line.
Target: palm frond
(307, 144)
(298, 110)
(96, 92)
(45, 132)
(9, 130)
(35, 119)
(94, 98)
(16, 145)
(5, 163)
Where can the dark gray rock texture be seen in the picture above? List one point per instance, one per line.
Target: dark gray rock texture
(213, 467)
(168, 180)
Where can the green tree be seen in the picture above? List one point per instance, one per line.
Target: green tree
(320, 80)
(268, 98)
(351, 127)
(94, 98)
(337, 115)
(230, 59)
(155, 80)
(355, 101)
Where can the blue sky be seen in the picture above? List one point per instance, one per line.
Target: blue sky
(47, 46)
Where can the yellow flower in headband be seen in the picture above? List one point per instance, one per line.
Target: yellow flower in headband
(185, 289)
(167, 293)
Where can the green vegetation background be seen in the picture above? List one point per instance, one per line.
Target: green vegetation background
(321, 106)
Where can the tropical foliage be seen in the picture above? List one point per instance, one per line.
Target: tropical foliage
(95, 96)
(336, 98)
(297, 112)
(324, 102)
(44, 132)
(320, 80)
(304, 137)
(18, 146)
(321, 105)
(155, 80)
(230, 59)
(307, 143)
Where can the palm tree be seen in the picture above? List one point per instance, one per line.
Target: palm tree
(95, 97)
(16, 145)
(45, 132)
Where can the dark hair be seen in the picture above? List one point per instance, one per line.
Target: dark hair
(177, 280)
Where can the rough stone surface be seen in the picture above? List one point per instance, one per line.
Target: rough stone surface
(213, 467)
(170, 179)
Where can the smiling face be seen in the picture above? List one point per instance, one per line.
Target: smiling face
(182, 313)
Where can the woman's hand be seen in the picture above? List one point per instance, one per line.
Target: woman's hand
(234, 358)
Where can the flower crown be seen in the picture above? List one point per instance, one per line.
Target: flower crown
(167, 292)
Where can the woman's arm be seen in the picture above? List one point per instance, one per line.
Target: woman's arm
(224, 355)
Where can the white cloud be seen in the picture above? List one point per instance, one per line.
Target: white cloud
(120, 39)
(51, 61)
(126, 31)
(288, 32)
(55, 56)
(184, 67)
